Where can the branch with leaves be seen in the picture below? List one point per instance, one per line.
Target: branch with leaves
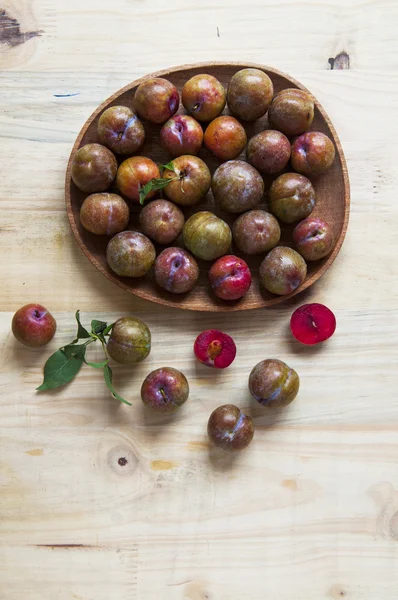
(158, 184)
(63, 366)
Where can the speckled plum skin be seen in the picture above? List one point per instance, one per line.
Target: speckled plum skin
(291, 197)
(314, 238)
(203, 97)
(162, 221)
(180, 135)
(104, 214)
(133, 174)
(120, 129)
(312, 154)
(94, 168)
(176, 270)
(130, 341)
(165, 390)
(207, 236)
(237, 186)
(156, 100)
(250, 92)
(229, 428)
(291, 111)
(269, 151)
(33, 325)
(272, 383)
(230, 277)
(191, 180)
(225, 137)
(256, 232)
(282, 271)
(130, 254)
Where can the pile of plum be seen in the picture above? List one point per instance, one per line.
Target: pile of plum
(237, 185)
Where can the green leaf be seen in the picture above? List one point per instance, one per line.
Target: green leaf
(108, 380)
(154, 184)
(108, 329)
(98, 326)
(60, 369)
(97, 365)
(71, 350)
(81, 331)
(169, 167)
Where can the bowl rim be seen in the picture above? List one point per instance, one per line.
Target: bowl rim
(203, 307)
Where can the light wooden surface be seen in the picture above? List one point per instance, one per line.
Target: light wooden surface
(310, 511)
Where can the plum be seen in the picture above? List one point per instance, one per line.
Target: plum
(291, 197)
(229, 428)
(94, 168)
(133, 174)
(162, 221)
(269, 151)
(237, 186)
(190, 180)
(156, 100)
(215, 349)
(282, 271)
(225, 137)
(207, 236)
(314, 238)
(203, 97)
(130, 254)
(120, 129)
(130, 341)
(176, 270)
(256, 232)
(249, 94)
(180, 135)
(312, 153)
(165, 390)
(312, 323)
(33, 325)
(104, 214)
(230, 277)
(291, 111)
(272, 383)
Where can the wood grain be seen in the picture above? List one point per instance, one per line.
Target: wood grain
(310, 511)
(332, 197)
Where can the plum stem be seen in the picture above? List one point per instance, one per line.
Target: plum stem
(164, 395)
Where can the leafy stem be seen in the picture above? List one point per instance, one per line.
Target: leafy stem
(153, 185)
(158, 183)
(63, 366)
(105, 350)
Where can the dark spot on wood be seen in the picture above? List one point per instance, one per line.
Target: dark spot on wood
(340, 62)
(218, 32)
(65, 95)
(394, 526)
(63, 546)
(122, 461)
(10, 31)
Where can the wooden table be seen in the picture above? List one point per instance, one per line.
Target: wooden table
(98, 501)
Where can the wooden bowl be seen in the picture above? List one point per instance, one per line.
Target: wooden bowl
(332, 192)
